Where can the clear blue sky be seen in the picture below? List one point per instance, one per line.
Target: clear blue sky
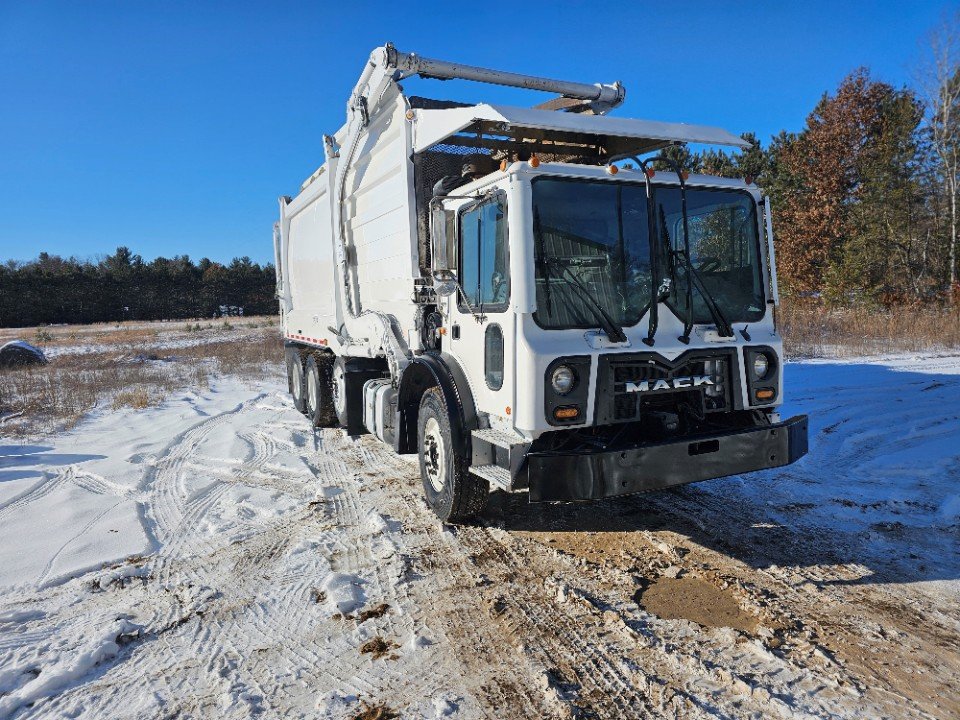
(172, 127)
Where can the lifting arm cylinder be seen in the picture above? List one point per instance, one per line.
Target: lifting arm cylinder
(410, 63)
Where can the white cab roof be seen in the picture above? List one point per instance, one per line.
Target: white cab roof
(433, 126)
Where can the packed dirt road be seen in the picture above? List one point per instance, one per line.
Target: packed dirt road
(215, 557)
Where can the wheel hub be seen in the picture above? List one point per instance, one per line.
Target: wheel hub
(312, 391)
(339, 391)
(297, 381)
(434, 455)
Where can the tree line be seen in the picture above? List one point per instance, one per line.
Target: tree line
(864, 196)
(123, 286)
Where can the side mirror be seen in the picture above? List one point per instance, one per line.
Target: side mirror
(443, 242)
(444, 282)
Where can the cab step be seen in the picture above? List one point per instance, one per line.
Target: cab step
(500, 438)
(497, 476)
(498, 456)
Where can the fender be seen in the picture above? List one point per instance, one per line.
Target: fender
(429, 370)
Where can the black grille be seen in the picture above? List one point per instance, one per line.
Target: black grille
(629, 385)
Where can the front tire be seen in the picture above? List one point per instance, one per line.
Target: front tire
(317, 391)
(451, 491)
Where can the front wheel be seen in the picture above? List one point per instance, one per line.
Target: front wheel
(451, 491)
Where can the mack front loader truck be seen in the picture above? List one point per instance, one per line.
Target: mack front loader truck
(531, 298)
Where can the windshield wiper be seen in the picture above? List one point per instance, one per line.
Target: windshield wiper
(694, 278)
(609, 325)
(693, 275)
(723, 325)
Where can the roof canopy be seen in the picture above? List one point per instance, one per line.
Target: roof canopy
(502, 126)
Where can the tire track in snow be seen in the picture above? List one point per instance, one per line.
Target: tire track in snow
(231, 627)
(44, 487)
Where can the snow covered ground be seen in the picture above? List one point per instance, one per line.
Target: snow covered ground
(215, 557)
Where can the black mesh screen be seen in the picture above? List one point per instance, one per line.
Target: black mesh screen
(484, 138)
(429, 167)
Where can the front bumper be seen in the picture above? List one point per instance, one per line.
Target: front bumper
(598, 474)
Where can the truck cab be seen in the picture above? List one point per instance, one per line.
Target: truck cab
(547, 308)
(584, 320)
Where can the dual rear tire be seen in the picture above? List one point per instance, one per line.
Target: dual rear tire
(309, 380)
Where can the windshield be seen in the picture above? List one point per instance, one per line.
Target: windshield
(600, 231)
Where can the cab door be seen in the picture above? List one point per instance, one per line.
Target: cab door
(480, 333)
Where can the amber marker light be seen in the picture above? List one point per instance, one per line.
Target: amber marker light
(508, 410)
(411, 115)
(765, 394)
(612, 169)
(685, 175)
(503, 165)
(534, 161)
(566, 413)
(650, 172)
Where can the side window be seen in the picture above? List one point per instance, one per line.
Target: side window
(484, 261)
(493, 356)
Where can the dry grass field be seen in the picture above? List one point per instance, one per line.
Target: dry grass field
(137, 364)
(810, 330)
(126, 364)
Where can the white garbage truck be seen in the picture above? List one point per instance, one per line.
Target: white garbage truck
(531, 298)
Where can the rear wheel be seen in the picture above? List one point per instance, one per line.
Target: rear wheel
(338, 391)
(317, 391)
(295, 380)
(451, 491)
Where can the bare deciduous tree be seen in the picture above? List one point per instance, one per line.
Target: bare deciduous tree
(941, 89)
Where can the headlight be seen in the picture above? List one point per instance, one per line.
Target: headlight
(563, 379)
(760, 366)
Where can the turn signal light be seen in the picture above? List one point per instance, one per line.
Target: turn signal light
(765, 394)
(566, 413)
